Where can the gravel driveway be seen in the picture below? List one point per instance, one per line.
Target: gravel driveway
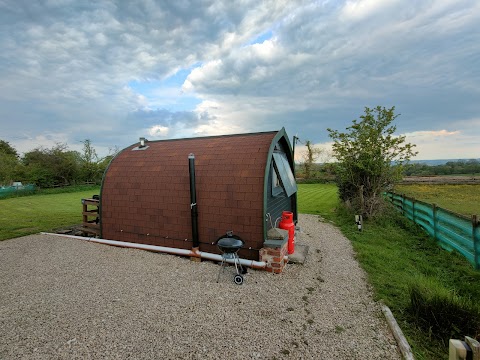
(67, 298)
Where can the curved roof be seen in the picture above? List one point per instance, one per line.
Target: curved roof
(145, 194)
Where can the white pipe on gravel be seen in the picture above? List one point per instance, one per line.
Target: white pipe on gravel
(216, 257)
(185, 252)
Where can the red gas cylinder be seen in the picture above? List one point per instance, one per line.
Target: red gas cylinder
(287, 224)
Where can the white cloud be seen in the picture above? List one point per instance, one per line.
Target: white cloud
(66, 67)
(70, 64)
(24, 143)
(216, 127)
(361, 9)
(445, 144)
(158, 131)
(432, 134)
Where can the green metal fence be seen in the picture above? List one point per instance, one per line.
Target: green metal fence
(451, 230)
(6, 191)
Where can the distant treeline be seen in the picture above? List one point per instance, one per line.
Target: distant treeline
(59, 166)
(460, 167)
(51, 167)
(326, 172)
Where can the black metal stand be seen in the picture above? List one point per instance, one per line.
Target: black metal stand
(238, 278)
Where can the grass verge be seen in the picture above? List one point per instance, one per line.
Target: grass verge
(45, 211)
(442, 312)
(396, 253)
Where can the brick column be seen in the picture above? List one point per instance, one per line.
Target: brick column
(274, 257)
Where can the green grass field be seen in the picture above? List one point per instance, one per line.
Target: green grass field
(319, 199)
(25, 215)
(462, 199)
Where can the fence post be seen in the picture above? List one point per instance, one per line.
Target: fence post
(413, 210)
(434, 208)
(476, 241)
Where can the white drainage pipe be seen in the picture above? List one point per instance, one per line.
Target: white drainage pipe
(185, 252)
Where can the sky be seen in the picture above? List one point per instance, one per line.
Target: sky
(113, 71)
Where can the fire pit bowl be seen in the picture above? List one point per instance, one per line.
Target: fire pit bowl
(230, 244)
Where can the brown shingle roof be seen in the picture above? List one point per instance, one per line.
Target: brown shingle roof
(146, 196)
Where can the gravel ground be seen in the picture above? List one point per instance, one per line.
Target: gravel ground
(67, 298)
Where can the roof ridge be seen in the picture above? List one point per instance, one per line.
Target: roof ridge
(216, 136)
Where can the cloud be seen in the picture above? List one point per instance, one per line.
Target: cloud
(70, 62)
(159, 123)
(162, 116)
(158, 131)
(432, 134)
(360, 10)
(24, 143)
(323, 67)
(447, 144)
(112, 71)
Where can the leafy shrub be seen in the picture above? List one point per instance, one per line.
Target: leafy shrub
(370, 159)
(442, 312)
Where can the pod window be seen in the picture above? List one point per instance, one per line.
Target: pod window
(283, 171)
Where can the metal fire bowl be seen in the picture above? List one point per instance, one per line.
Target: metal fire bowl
(230, 244)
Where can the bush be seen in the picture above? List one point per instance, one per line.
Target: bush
(370, 159)
(442, 312)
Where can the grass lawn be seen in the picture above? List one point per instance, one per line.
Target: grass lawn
(462, 199)
(25, 215)
(396, 253)
(319, 199)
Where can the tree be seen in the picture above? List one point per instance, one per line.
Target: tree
(7, 149)
(50, 167)
(310, 156)
(8, 163)
(90, 167)
(370, 159)
(93, 166)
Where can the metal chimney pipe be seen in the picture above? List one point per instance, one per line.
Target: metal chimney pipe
(193, 200)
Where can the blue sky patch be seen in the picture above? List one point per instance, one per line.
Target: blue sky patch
(167, 93)
(262, 37)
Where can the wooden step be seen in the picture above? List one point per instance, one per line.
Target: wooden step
(91, 225)
(90, 231)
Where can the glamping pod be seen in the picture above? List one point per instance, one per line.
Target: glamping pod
(242, 184)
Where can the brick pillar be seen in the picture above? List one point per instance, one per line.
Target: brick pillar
(274, 257)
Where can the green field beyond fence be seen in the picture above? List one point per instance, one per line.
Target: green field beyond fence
(452, 231)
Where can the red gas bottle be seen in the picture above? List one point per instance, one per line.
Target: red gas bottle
(287, 224)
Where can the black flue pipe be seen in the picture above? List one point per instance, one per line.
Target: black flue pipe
(193, 200)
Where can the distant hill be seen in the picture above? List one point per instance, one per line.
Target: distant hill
(438, 162)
